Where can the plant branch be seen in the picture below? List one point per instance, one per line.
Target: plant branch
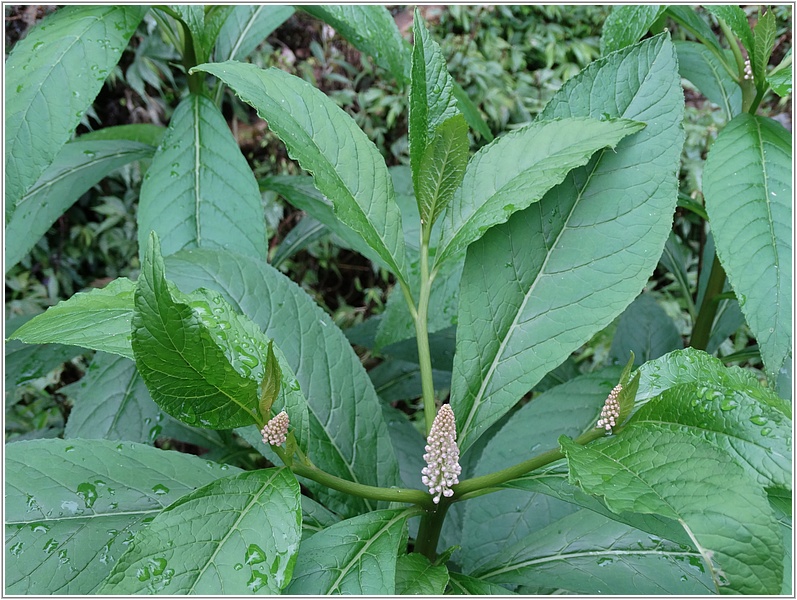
(429, 530)
(422, 333)
(708, 309)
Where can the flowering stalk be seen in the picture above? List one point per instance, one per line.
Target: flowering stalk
(610, 413)
(442, 455)
(275, 432)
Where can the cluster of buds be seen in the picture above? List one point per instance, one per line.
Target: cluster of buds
(748, 69)
(275, 431)
(442, 455)
(610, 412)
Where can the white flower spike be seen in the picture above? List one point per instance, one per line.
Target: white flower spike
(442, 455)
(276, 430)
(611, 410)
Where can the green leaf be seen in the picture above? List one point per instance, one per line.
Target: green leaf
(270, 384)
(348, 434)
(99, 319)
(24, 363)
(764, 40)
(306, 232)
(315, 518)
(215, 18)
(300, 192)
(496, 520)
(781, 503)
(346, 166)
(246, 27)
(415, 575)
(747, 187)
(77, 167)
(688, 17)
(471, 113)
(626, 25)
(700, 66)
(236, 535)
(736, 19)
(143, 133)
(494, 188)
(52, 77)
(745, 422)
(530, 295)
(651, 468)
(465, 585)
(199, 190)
(586, 553)
(372, 30)
(111, 401)
(646, 330)
(396, 380)
(781, 77)
(73, 506)
(356, 556)
(442, 167)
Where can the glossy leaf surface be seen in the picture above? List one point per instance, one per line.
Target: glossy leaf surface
(246, 27)
(355, 556)
(415, 575)
(700, 66)
(530, 292)
(646, 330)
(73, 49)
(237, 535)
(748, 194)
(73, 506)
(626, 25)
(199, 190)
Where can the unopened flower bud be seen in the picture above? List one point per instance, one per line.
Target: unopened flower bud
(610, 413)
(276, 430)
(748, 69)
(442, 455)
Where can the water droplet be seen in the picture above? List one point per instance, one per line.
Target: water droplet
(765, 431)
(38, 45)
(143, 574)
(254, 555)
(155, 432)
(158, 565)
(20, 88)
(39, 528)
(238, 566)
(160, 489)
(50, 546)
(257, 581)
(728, 404)
(70, 506)
(16, 549)
(88, 492)
(69, 449)
(605, 561)
(759, 420)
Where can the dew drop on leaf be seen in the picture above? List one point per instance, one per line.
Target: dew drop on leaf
(16, 549)
(160, 489)
(758, 420)
(254, 555)
(257, 581)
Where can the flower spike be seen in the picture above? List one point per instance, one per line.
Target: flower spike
(610, 413)
(442, 455)
(275, 431)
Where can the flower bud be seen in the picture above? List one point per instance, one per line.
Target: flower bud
(610, 413)
(276, 430)
(442, 455)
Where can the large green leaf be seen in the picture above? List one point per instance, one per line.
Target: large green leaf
(356, 556)
(199, 190)
(780, 78)
(51, 77)
(701, 66)
(748, 194)
(246, 27)
(736, 19)
(73, 506)
(626, 25)
(586, 553)
(651, 468)
(415, 575)
(465, 585)
(143, 133)
(544, 152)
(25, 362)
(99, 319)
(646, 330)
(237, 535)
(346, 166)
(370, 29)
(111, 401)
(688, 17)
(496, 520)
(348, 434)
(78, 166)
(537, 287)
(746, 422)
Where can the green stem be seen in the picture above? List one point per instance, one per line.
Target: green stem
(429, 530)
(422, 334)
(708, 309)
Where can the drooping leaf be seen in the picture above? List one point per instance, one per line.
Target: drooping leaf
(246, 27)
(465, 585)
(494, 188)
(700, 66)
(626, 25)
(111, 402)
(586, 553)
(25, 362)
(415, 575)
(746, 422)
(199, 190)
(370, 29)
(747, 188)
(306, 231)
(355, 556)
(348, 435)
(73, 506)
(496, 520)
(236, 535)
(346, 166)
(531, 294)
(52, 77)
(651, 468)
(99, 319)
(646, 330)
(77, 167)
